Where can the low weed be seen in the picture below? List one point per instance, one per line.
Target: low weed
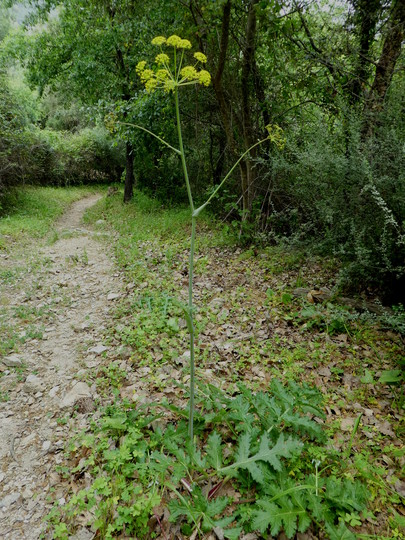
(329, 318)
(251, 469)
(245, 333)
(109, 377)
(4, 396)
(394, 320)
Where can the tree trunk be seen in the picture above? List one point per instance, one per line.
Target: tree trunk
(129, 175)
(245, 123)
(366, 19)
(386, 65)
(247, 172)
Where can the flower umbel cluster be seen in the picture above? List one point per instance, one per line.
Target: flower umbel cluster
(276, 135)
(169, 74)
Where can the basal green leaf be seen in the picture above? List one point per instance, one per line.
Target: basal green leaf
(339, 533)
(233, 534)
(214, 450)
(283, 448)
(263, 518)
(392, 376)
(216, 506)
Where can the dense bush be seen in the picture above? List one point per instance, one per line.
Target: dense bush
(83, 157)
(345, 196)
(31, 155)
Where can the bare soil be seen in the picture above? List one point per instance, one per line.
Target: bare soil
(73, 285)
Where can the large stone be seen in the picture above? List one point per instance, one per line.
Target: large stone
(8, 500)
(98, 349)
(12, 361)
(80, 390)
(33, 384)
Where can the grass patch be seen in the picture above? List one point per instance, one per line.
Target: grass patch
(30, 211)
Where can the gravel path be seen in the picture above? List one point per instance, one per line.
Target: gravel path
(72, 286)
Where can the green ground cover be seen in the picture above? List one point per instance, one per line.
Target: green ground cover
(317, 387)
(29, 212)
(299, 420)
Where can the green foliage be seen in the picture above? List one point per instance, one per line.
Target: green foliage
(394, 320)
(336, 191)
(27, 213)
(259, 445)
(330, 318)
(31, 155)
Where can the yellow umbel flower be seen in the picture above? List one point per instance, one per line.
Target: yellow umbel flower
(162, 75)
(158, 40)
(276, 135)
(200, 57)
(167, 75)
(189, 73)
(173, 41)
(184, 44)
(204, 77)
(162, 59)
(147, 74)
(150, 85)
(140, 66)
(169, 85)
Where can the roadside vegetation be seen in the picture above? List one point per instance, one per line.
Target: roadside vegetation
(261, 402)
(299, 420)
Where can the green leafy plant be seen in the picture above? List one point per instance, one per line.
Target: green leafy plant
(253, 448)
(170, 73)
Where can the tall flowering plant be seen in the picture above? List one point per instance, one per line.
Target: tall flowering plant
(170, 72)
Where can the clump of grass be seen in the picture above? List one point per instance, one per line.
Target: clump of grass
(30, 212)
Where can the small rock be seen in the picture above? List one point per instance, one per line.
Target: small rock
(98, 349)
(12, 361)
(46, 446)
(82, 534)
(100, 222)
(347, 424)
(26, 441)
(33, 384)
(79, 390)
(9, 500)
(324, 372)
(27, 493)
(113, 296)
(400, 487)
(219, 533)
(53, 391)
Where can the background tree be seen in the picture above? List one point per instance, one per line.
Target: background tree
(332, 78)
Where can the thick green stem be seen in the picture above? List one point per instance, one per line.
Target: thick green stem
(190, 310)
(153, 135)
(182, 155)
(191, 270)
(198, 210)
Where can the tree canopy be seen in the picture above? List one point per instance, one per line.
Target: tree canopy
(329, 74)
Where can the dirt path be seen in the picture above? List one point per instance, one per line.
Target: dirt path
(72, 288)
